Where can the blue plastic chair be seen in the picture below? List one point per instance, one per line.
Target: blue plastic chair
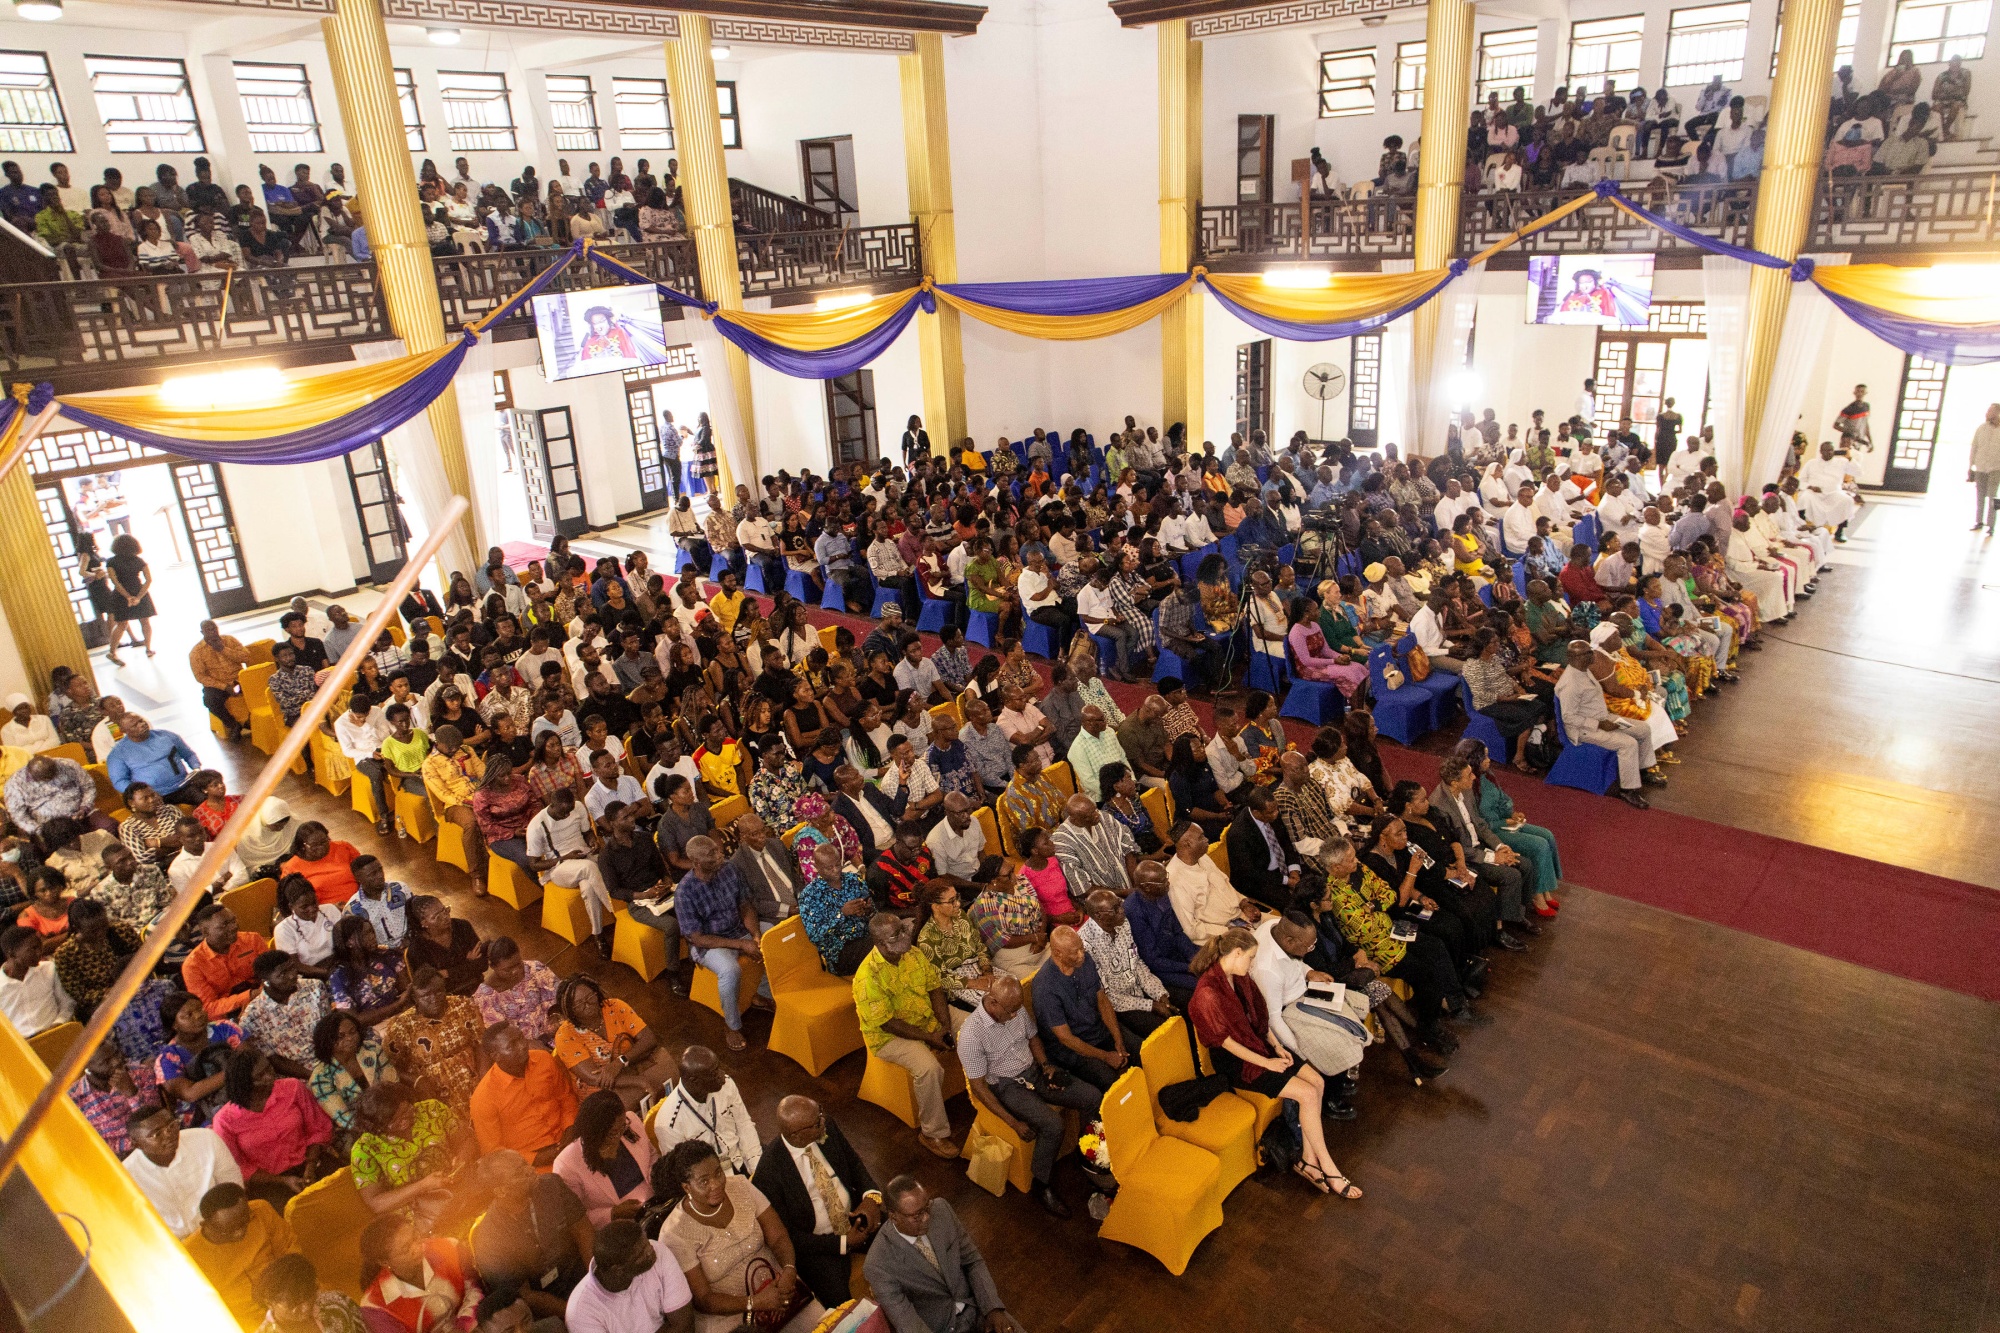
(1482, 728)
(884, 597)
(1349, 564)
(1587, 530)
(1590, 768)
(684, 560)
(1402, 715)
(1318, 702)
(981, 627)
(753, 577)
(1265, 673)
(1442, 686)
(1285, 553)
(802, 585)
(832, 596)
(1039, 639)
(717, 564)
(933, 613)
(1107, 654)
(1486, 594)
(1521, 578)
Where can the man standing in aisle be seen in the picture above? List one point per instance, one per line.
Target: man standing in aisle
(1984, 469)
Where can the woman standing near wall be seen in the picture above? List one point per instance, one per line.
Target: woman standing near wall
(704, 452)
(132, 595)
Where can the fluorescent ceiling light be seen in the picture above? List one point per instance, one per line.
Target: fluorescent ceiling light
(38, 11)
(256, 386)
(718, 52)
(443, 36)
(1298, 277)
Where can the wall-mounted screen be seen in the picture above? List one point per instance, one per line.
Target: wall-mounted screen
(603, 329)
(1608, 291)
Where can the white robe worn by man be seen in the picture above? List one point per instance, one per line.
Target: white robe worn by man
(1620, 512)
(1747, 569)
(1823, 489)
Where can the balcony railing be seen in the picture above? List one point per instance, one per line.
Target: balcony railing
(798, 261)
(757, 209)
(1932, 211)
(48, 327)
(471, 285)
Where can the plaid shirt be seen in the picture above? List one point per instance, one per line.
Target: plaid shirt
(1126, 604)
(1177, 621)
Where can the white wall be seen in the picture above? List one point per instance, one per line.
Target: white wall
(1854, 356)
(297, 526)
(599, 420)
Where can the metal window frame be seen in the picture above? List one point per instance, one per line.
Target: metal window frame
(1603, 35)
(96, 66)
(456, 136)
(1332, 83)
(276, 130)
(412, 109)
(1412, 58)
(1970, 44)
(1505, 84)
(58, 128)
(1699, 70)
(586, 137)
(643, 93)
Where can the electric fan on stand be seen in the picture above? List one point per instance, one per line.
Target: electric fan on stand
(1325, 382)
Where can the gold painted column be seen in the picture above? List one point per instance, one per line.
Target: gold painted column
(1440, 181)
(1181, 360)
(364, 84)
(927, 157)
(1793, 140)
(39, 611)
(704, 182)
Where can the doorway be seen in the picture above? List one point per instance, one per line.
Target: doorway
(828, 168)
(544, 443)
(850, 412)
(1253, 158)
(1638, 371)
(384, 534)
(1364, 387)
(654, 395)
(89, 483)
(1919, 413)
(1253, 388)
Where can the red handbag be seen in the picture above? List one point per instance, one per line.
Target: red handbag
(761, 1273)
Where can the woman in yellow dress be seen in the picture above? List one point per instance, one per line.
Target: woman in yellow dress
(1628, 687)
(1466, 552)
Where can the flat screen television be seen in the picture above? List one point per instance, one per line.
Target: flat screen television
(1605, 291)
(603, 329)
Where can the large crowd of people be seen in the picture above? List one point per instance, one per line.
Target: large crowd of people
(711, 762)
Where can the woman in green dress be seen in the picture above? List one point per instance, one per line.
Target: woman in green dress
(1536, 845)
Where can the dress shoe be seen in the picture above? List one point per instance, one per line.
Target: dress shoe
(1338, 1110)
(1471, 1018)
(944, 1148)
(1527, 927)
(1422, 1066)
(1051, 1202)
(1475, 971)
(1634, 799)
(1439, 1038)
(1345, 1086)
(1509, 943)
(1652, 779)
(1472, 992)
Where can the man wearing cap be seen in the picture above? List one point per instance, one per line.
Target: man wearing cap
(887, 637)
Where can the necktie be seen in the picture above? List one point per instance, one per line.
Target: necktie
(923, 1244)
(828, 1190)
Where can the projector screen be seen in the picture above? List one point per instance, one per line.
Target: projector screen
(1608, 291)
(604, 329)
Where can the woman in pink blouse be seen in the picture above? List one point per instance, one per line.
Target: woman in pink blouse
(274, 1128)
(609, 1164)
(1044, 874)
(1311, 658)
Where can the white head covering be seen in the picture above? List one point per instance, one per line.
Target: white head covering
(269, 835)
(1604, 632)
(16, 699)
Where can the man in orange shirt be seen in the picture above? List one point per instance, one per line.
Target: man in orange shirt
(221, 971)
(525, 1102)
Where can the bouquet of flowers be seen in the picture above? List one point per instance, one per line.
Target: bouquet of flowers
(1093, 1147)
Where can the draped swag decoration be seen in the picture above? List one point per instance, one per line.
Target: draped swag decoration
(1943, 313)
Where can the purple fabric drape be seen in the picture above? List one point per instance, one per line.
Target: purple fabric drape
(1069, 296)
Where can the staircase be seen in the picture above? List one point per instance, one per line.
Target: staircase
(758, 210)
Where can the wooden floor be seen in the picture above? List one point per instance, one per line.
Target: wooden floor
(1671, 1125)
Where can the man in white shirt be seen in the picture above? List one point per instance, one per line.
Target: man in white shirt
(1040, 601)
(31, 995)
(1099, 615)
(610, 783)
(957, 845)
(1747, 564)
(1655, 544)
(706, 1105)
(1228, 758)
(1823, 483)
(174, 1167)
(917, 673)
(1586, 402)
(1619, 511)
(634, 1285)
(822, 1191)
(562, 852)
(1328, 1033)
(1586, 721)
(1517, 520)
(361, 733)
(759, 538)
(1732, 135)
(194, 841)
(1428, 627)
(1025, 724)
(1203, 900)
(1549, 504)
(1454, 502)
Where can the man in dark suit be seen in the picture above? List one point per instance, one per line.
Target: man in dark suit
(771, 872)
(1455, 810)
(847, 802)
(1263, 863)
(809, 1159)
(927, 1274)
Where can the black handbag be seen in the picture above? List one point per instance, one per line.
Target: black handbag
(1184, 1101)
(1283, 1145)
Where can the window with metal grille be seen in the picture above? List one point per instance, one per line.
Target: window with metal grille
(1253, 387)
(1919, 408)
(31, 113)
(1506, 62)
(277, 108)
(1934, 31)
(1705, 43)
(413, 116)
(1364, 379)
(1347, 83)
(573, 112)
(725, 105)
(644, 119)
(1601, 49)
(145, 105)
(478, 114)
(1409, 76)
(1843, 46)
